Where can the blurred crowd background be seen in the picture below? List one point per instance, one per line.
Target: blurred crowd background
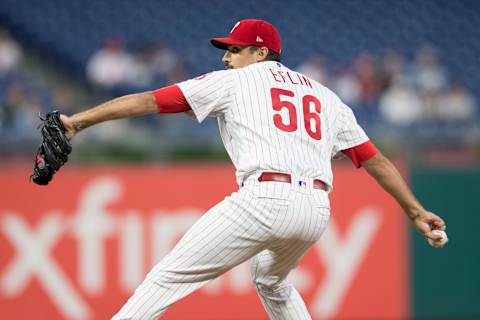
(410, 70)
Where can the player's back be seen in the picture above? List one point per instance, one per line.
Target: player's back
(272, 118)
(281, 120)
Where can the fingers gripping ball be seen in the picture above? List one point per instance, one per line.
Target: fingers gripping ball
(441, 241)
(54, 150)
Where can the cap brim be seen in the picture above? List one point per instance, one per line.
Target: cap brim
(223, 43)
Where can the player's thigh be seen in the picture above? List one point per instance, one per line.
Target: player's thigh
(227, 235)
(272, 265)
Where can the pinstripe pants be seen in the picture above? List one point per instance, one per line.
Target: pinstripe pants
(273, 222)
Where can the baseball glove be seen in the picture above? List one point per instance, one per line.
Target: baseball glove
(54, 150)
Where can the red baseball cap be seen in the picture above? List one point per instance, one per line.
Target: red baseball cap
(251, 32)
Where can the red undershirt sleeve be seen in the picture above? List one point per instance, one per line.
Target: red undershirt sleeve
(171, 100)
(360, 153)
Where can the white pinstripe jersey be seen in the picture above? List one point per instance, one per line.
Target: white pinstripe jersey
(274, 119)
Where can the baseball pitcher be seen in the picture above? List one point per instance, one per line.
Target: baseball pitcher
(281, 130)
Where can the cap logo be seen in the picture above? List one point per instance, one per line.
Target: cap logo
(236, 25)
(259, 39)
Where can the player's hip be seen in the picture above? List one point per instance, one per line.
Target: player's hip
(287, 212)
(287, 187)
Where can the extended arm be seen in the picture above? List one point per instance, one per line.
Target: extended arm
(127, 106)
(164, 100)
(385, 173)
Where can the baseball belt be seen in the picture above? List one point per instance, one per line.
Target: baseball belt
(287, 178)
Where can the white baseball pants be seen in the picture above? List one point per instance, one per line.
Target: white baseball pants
(273, 222)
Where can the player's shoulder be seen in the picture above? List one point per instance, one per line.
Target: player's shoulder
(213, 75)
(213, 79)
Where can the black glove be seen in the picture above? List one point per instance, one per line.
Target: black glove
(54, 150)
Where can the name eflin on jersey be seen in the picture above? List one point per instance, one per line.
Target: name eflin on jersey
(286, 77)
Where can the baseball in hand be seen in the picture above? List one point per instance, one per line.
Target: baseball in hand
(441, 242)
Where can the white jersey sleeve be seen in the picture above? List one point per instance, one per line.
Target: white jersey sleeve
(209, 94)
(349, 133)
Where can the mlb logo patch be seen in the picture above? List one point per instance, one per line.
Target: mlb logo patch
(301, 183)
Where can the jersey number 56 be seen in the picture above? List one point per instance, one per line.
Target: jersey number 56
(311, 118)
